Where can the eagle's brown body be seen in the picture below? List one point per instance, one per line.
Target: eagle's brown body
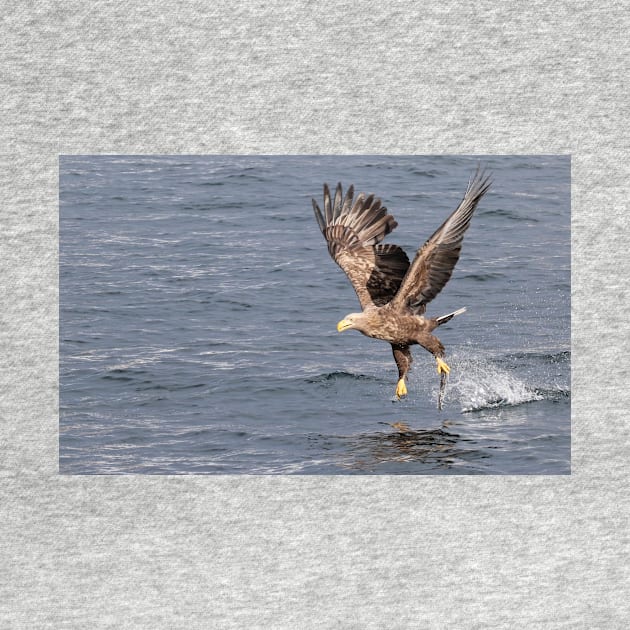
(398, 328)
(394, 293)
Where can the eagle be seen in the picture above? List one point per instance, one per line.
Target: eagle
(393, 293)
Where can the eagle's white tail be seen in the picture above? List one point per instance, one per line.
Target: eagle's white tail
(445, 318)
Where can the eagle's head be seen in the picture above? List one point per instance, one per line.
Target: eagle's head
(352, 320)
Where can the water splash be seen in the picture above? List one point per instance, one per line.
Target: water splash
(480, 384)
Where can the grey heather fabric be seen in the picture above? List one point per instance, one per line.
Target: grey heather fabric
(270, 77)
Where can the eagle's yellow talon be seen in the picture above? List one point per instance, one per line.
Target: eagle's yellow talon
(401, 388)
(442, 368)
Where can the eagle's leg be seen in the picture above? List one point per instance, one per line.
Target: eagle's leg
(434, 346)
(402, 356)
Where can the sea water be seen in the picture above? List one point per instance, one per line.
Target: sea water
(198, 306)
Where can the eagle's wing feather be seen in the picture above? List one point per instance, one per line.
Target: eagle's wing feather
(433, 264)
(353, 230)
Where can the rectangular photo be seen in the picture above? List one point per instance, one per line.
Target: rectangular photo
(315, 314)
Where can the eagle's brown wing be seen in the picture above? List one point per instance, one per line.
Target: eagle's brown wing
(353, 230)
(433, 265)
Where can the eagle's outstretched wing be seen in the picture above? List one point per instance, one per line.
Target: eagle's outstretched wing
(354, 230)
(433, 265)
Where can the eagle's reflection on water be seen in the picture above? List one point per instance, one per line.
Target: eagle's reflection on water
(379, 452)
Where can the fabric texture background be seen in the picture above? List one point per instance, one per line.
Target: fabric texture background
(314, 552)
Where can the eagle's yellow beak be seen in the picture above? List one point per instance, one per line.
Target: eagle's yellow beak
(344, 324)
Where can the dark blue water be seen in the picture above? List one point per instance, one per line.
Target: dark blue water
(198, 307)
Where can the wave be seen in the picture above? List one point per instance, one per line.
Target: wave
(555, 394)
(329, 377)
(563, 356)
(482, 277)
(508, 214)
(430, 173)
